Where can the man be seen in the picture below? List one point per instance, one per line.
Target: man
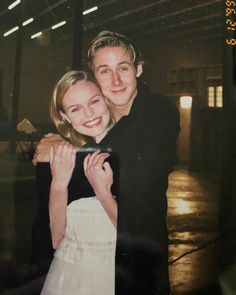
(144, 138)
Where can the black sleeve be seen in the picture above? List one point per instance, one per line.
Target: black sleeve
(42, 250)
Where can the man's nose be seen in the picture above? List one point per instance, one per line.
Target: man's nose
(116, 78)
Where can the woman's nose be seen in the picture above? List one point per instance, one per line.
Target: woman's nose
(88, 111)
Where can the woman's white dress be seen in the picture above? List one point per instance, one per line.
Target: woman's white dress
(84, 262)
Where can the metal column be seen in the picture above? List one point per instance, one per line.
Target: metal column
(77, 33)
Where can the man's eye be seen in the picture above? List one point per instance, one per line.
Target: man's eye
(104, 72)
(122, 69)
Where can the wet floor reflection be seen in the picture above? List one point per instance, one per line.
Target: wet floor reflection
(192, 221)
(181, 206)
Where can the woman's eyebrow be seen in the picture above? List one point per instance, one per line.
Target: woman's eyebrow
(72, 106)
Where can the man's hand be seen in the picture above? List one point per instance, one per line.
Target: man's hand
(43, 147)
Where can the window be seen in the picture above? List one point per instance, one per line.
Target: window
(219, 96)
(215, 96)
(211, 96)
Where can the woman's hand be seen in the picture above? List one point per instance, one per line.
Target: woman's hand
(98, 172)
(100, 176)
(62, 162)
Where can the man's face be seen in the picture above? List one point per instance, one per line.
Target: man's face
(116, 73)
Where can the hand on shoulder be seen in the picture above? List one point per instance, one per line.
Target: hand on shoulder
(43, 147)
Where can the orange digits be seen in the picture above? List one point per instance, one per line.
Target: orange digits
(231, 41)
(228, 11)
(229, 22)
(229, 28)
(229, 3)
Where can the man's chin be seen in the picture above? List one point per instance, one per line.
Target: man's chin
(118, 103)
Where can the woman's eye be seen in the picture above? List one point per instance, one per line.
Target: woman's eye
(95, 101)
(76, 109)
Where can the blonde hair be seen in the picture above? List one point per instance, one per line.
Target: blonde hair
(112, 39)
(56, 106)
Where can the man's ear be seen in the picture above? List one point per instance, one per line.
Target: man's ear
(64, 116)
(139, 70)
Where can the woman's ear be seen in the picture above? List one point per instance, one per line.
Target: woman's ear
(139, 70)
(64, 116)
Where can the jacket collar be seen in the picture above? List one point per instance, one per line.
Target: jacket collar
(141, 100)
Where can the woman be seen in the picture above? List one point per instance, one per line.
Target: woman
(84, 232)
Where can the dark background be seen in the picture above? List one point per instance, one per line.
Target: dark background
(183, 43)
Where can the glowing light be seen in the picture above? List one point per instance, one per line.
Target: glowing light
(90, 10)
(28, 21)
(182, 207)
(59, 25)
(186, 102)
(36, 35)
(11, 31)
(14, 4)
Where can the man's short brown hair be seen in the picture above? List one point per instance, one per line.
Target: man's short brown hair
(112, 39)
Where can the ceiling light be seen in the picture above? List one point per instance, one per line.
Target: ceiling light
(90, 10)
(11, 31)
(59, 25)
(28, 21)
(14, 4)
(36, 35)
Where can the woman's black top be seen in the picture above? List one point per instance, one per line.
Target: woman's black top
(79, 187)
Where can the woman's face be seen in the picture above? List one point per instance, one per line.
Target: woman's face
(86, 110)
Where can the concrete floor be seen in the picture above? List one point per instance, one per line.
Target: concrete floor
(192, 219)
(193, 228)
